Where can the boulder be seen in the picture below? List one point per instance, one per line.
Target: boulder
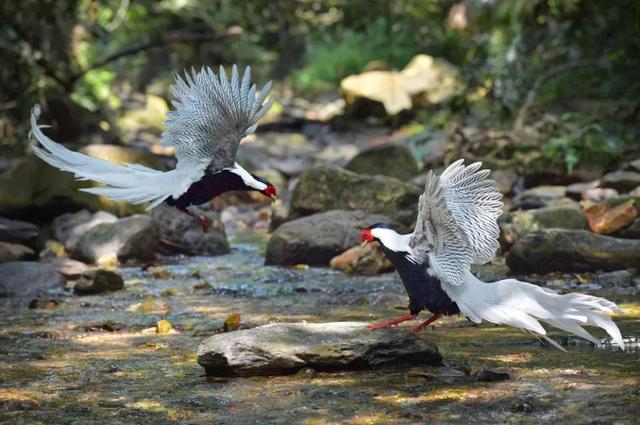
(617, 278)
(134, 237)
(387, 88)
(69, 227)
(622, 181)
(505, 179)
(389, 160)
(316, 239)
(15, 252)
(98, 281)
(430, 80)
(20, 232)
(515, 225)
(285, 348)
(630, 232)
(148, 118)
(28, 279)
(287, 153)
(572, 251)
(32, 188)
(332, 188)
(180, 233)
(368, 259)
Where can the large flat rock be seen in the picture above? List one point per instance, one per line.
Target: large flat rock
(28, 279)
(284, 348)
(550, 250)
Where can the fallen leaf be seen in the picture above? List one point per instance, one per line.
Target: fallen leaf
(606, 220)
(163, 326)
(232, 323)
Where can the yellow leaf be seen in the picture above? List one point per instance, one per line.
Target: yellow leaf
(163, 326)
(232, 322)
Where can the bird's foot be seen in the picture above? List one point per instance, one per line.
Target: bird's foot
(424, 324)
(390, 323)
(201, 219)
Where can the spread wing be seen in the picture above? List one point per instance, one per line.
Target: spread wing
(457, 221)
(212, 115)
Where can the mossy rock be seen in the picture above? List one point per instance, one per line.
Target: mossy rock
(328, 188)
(389, 160)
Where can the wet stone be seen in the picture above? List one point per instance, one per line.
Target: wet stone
(98, 281)
(28, 278)
(286, 348)
(488, 375)
(21, 232)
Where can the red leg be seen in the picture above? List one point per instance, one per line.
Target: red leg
(202, 219)
(390, 323)
(424, 324)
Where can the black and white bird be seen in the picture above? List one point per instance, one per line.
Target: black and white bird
(457, 227)
(212, 115)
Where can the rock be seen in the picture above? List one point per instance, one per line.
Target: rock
(617, 278)
(599, 194)
(331, 188)
(134, 237)
(15, 252)
(430, 80)
(575, 191)
(606, 220)
(424, 81)
(285, 348)
(368, 259)
(622, 181)
(515, 225)
(288, 153)
(389, 160)
(505, 180)
(70, 269)
(149, 118)
(488, 375)
(387, 88)
(69, 227)
(98, 281)
(279, 215)
(316, 239)
(20, 232)
(183, 234)
(537, 197)
(572, 251)
(28, 279)
(52, 249)
(630, 232)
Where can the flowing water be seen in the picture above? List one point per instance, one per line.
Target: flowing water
(97, 359)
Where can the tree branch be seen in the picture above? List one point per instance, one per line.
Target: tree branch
(159, 42)
(518, 125)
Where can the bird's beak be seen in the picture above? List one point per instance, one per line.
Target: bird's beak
(274, 198)
(364, 244)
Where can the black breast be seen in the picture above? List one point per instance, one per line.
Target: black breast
(208, 187)
(425, 292)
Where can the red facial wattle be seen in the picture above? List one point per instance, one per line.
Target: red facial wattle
(366, 236)
(270, 191)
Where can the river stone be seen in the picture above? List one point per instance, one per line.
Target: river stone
(389, 160)
(28, 278)
(98, 281)
(622, 181)
(630, 232)
(285, 348)
(134, 237)
(70, 269)
(572, 251)
(368, 259)
(69, 227)
(316, 239)
(537, 197)
(15, 252)
(183, 234)
(514, 225)
(332, 188)
(21, 232)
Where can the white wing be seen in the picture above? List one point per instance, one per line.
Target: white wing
(213, 114)
(457, 221)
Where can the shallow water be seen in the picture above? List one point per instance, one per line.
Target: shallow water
(61, 366)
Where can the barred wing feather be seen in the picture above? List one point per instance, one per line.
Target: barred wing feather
(457, 221)
(212, 114)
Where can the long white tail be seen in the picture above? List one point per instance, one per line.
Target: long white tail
(132, 182)
(522, 304)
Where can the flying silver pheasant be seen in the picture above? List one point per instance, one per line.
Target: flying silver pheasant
(212, 114)
(456, 227)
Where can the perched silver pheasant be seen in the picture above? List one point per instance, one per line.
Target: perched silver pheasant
(456, 227)
(212, 114)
